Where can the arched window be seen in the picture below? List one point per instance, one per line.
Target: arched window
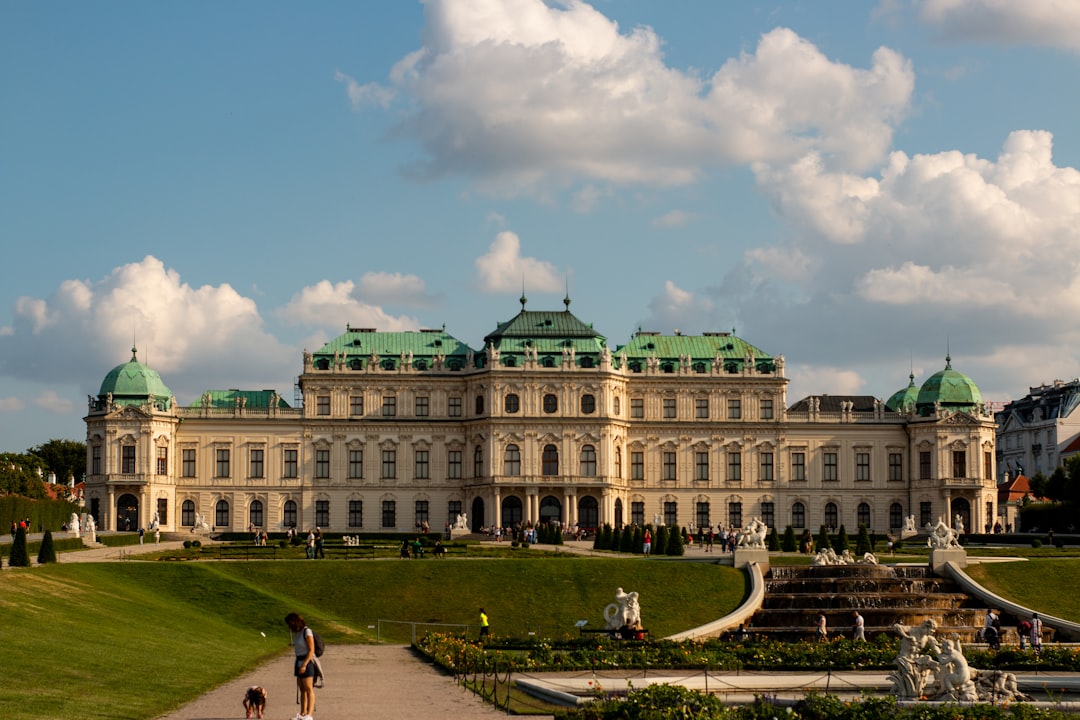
(479, 404)
(187, 513)
(587, 362)
(551, 403)
(618, 462)
(832, 515)
(618, 512)
(550, 460)
(635, 366)
(588, 512)
(512, 461)
(699, 367)
(388, 364)
(588, 404)
(896, 516)
(322, 364)
(288, 516)
(862, 515)
(588, 462)
(798, 515)
(221, 514)
(668, 367)
(255, 513)
(511, 403)
(509, 361)
(478, 461)
(548, 361)
(550, 510)
(511, 511)
(355, 364)
(618, 405)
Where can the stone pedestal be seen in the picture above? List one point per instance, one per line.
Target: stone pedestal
(940, 556)
(745, 556)
(456, 533)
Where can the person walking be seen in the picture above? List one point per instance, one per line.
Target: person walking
(859, 634)
(822, 628)
(1036, 633)
(305, 668)
(646, 546)
(485, 626)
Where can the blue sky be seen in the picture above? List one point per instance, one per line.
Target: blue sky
(857, 186)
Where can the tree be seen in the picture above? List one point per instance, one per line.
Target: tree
(19, 556)
(1039, 485)
(19, 475)
(789, 543)
(774, 541)
(603, 538)
(639, 540)
(626, 542)
(66, 458)
(659, 541)
(47, 553)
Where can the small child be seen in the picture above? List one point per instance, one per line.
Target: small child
(255, 701)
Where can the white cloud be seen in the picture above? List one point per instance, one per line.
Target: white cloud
(393, 289)
(367, 94)
(335, 305)
(674, 219)
(191, 336)
(1008, 22)
(525, 97)
(503, 268)
(676, 308)
(822, 380)
(11, 404)
(49, 400)
(6, 330)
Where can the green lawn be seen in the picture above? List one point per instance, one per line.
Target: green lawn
(135, 639)
(1045, 585)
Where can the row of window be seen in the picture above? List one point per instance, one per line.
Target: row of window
(549, 403)
(256, 513)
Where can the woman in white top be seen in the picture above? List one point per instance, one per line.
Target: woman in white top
(303, 641)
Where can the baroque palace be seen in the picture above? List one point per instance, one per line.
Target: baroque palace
(546, 422)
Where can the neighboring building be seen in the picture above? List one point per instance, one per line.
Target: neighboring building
(545, 423)
(1036, 432)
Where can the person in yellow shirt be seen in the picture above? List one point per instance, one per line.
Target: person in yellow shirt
(484, 625)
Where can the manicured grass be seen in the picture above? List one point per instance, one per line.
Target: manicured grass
(136, 639)
(1047, 586)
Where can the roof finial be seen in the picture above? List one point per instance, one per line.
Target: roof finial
(133, 350)
(523, 299)
(566, 299)
(948, 354)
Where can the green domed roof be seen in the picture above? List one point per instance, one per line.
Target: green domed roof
(133, 383)
(903, 400)
(951, 389)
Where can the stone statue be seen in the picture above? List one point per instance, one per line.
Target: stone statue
(624, 612)
(754, 534)
(909, 524)
(958, 524)
(461, 522)
(942, 536)
(154, 522)
(73, 524)
(954, 674)
(200, 524)
(90, 528)
(914, 668)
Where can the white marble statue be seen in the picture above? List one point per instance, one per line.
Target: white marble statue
(624, 612)
(909, 524)
(914, 668)
(461, 522)
(942, 536)
(73, 524)
(90, 528)
(958, 524)
(953, 674)
(754, 534)
(154, 522)
(826, 556)
(200, 524)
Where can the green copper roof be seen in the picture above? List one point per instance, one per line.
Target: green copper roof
(357, 346)
(133, 383)
(904, 400)
(950, 389)
(702, 350)
(250, 399)
(547, 332)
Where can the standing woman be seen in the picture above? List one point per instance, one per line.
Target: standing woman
(303, 641)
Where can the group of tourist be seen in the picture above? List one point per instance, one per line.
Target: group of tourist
(16, 524)
(1028, 631)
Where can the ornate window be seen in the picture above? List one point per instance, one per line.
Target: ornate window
(798, 466)
(896, 516)
(702, 514)
(735, 514)
(356, 513)
(766, 466)
(637, 465)
(862, 514)
(127, 459)
(389, 465)
(588, 404)
(453, 407)
(830, 468)
(734, 409)
(701, 465)
(322, 405)
(222, 467)
(356, 405)
(637, 407)
(221, 514)
(671, 512)
(187, 513)
(734, 466)
(798, 515)
(288, 516)
(389, 405)
(637, 512)
(256, 463)
(550, 460)
(453, 466)
(669, 409)
(512, 461)
(670, 472)
(356, 464)
(701, 408)
(832, 515)
(322, 513)
(421, 465)
(588, 462)
(422, 404)
(768, 514)
(551, 403)
(322, 464)
(389, 513)
(766, 408)
(896, 467)
(511, 404)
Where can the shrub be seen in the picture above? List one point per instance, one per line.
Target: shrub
(675, 545)
(639, 540)
(774, 541)
(863, 544)
(187, 544)
(557, 539)
(823, 539)
(282, 544)
(1036, 543)
(626, 543)
(659, 541)
(19, 557)
(525, 544)
(196, 543)
(47, 553)
(842, 543)
(514, 543)
(789, 543)
(598, 541)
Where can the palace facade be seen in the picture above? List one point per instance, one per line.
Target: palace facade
(546, 422)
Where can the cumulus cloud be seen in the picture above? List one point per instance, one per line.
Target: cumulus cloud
(394, 289)
(822, 380)
(361, 95)
(524, 97)
(503, 268)
(336, 305)
(1007, 22)
(192, 336)
(676, 308)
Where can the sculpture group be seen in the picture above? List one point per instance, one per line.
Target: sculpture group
(942, 536)
(828, 556)
(932, 670)
(625, 612)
